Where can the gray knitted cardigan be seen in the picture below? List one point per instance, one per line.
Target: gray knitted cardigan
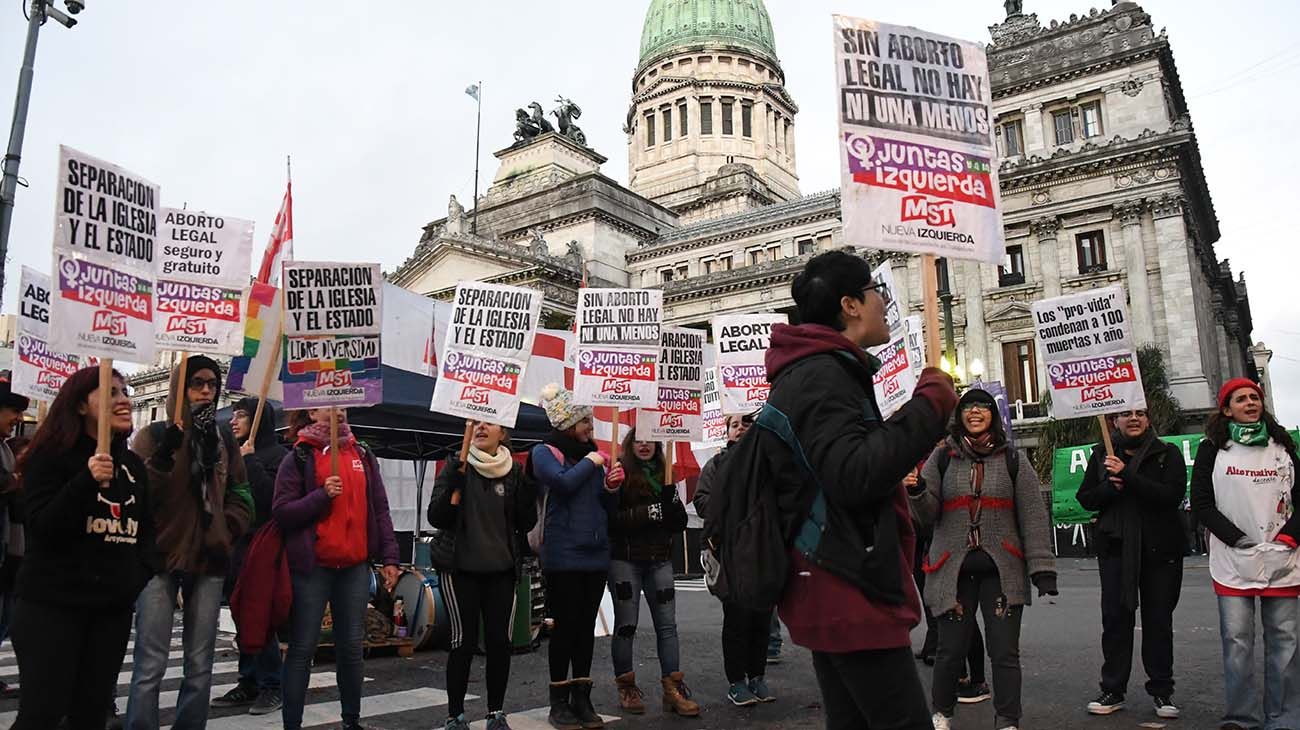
(1015, 526)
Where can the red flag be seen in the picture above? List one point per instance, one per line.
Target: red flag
(280, 247)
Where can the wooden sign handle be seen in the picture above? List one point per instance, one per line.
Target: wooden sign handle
(464, 445)
(267, 377)
(930, 302)
(613, 439)
(179, 417)
(104, 433)
(668, 465)
(1105, 436)
(334, 441)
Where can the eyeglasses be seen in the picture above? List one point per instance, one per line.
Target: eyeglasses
(1131, 414)
(878, 285)
(976, 407)
(204, 383)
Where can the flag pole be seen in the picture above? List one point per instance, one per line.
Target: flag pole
(478, 135)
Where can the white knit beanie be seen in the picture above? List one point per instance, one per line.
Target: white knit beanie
(561, 411)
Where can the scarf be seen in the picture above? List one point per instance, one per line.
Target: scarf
(977, 448)
(318, 434)
(1248, 434)
(488, 465)
(206, 447)
(653, 477)
(572, 448)
(1122, 520)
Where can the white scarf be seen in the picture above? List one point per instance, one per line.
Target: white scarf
(491, 467)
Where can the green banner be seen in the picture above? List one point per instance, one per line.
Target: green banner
(1069, 464)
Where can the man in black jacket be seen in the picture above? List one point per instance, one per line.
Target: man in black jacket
(12, 406)
(1140, 547)
(259, 675)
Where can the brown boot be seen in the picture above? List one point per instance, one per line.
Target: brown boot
(629, 695)
(677, 696)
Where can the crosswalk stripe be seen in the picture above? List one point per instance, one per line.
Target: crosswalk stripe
(534, 719)
(11, 669)
(318, 714)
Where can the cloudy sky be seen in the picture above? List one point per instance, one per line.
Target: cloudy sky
(207, 98)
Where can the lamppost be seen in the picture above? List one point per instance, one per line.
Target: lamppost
(41, 10)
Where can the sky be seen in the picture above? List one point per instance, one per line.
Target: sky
(208, 98)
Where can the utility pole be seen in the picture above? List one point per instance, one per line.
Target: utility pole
(478, 135)
(41, 10)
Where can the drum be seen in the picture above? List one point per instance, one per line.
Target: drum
(426, 614)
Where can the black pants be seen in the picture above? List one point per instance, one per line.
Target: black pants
(980, 591)
(1160, 580)
(469, 596)
(871, 690)
(744, 642)
(68, 660)
(974, 667)
(573, 602)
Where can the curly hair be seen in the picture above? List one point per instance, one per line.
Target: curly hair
(1216, 430)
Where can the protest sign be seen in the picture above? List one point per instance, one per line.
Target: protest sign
(883, 275)
(918, 165)
(338, 370)
(486, 349)
(329, 298)
(409, 331)
(39, 371)
(679, 415)
(1085, 340)
(101, 311)
(741, 341)
(202, 268)
(915, 344)
(199, 318)
(896, 378)
(714, 423)
(618, 345)
(261, 351)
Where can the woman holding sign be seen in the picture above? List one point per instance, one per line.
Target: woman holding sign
(1244, 490)
(333, 510)
(579, 498)
(90, 548)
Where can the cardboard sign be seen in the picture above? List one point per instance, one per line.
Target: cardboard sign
(714, 422)
(679, 414)
(1085, 340)
(101, 311)
(896, 379)
(262, 312)
(39, 371)
(619, 333)
(340, 370)
(333, 314)
(200, 318)
(486, 350)
(884, 276)
(741, 341)
(917, 161)
(202, 268)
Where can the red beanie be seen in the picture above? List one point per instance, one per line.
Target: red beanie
(1236, 384)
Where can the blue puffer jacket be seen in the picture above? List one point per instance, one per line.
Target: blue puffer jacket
(577, 512)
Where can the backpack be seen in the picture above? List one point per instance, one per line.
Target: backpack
(537, 535)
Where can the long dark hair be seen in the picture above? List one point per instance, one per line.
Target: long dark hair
(1216, 429)
(996, 427)
(635, 482)
(63, 425)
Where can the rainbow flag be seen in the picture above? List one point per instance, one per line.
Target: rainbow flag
(262, 312)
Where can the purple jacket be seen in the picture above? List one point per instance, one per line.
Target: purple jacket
(299, 504)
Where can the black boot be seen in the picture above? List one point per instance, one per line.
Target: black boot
(580, 700)
(562, 717)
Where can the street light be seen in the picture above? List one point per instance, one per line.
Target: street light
(977, 369)
(41, 10)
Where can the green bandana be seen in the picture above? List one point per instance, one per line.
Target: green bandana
(654, 476)
(1248, 434)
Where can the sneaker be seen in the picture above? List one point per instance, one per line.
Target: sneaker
(1009, 727)
(241, 695)
(758, 688)
(1107, 703)
(969, 693)
(741, 695)
(774, 654)
(268, 701)
(497, 721)
(1165, 707)
(941, 721)
(456, 723)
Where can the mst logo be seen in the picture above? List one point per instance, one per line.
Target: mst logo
(616, 386)
(671, 420)
(48, 379)
(334, 379)
(933, 212)
(1095, 392)
(475, 395)
(186, 325)
(756, 395)
(110, 322)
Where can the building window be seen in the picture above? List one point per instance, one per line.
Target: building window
(1091, 249)
(941, 268)
(1064, 123)
(1091, 119)
(723, 263)
(650, 130)
(708, 265)
(1020, 366)
(665, 276)
(727, 107)
(706, 117)
(1013, 138)
(153, 414)
(1012, 270)
(824, 240)
(668, 125)
(774, 252)
(682, 271)
(755, 256)
(682, 126)
(806, 245)
(747, 120)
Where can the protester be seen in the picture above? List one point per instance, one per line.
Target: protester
(578, 498)
(201, 506)
(334, 526)
(1140, 547)
(992, 537)
(641, 533)
(745, 633)
(90, 540)
(12, 543)
(855, 607)
(259, 675)
(1244, 490)
(488, 507)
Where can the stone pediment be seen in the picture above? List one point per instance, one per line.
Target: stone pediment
(1009, 312)
(444, 260)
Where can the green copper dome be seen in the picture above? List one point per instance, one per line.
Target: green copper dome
(674, 24)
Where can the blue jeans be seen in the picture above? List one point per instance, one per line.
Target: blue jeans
(261, 670)
(774, 641)
(1281, 662)
(347, 591)
(627, 581)
(154, 610)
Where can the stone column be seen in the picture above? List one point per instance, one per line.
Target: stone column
(1129, 214)
(1033, 129)
(1187, 377)
(1049, 261)
(976, 329)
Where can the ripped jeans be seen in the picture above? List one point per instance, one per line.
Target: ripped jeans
(980, 592)
(627, 581)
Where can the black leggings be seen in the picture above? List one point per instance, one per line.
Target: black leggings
(573, 602)
(469, 595)
(68, 660)
(744, 642)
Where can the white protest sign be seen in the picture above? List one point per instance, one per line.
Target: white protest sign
(883, 277)
(39, 372)
(915, 344)
(1085, 340)
(741, 342)
(409, 327)
(678, 416)
(486, 350)
(896, 379)
(917, 162)
(105, 241)
(333, 314)
(618, 345)
(714, 423)
(202, 269)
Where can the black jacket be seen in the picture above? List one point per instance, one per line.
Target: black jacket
(1153, 492)
(262, 465)
(87, 546)
(520, 504)
(634, 536)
